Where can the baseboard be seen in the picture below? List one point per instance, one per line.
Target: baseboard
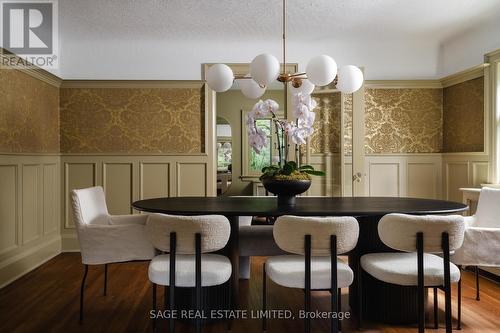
(70, 243)
(29, 260)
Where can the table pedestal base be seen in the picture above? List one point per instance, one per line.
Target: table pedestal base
(389, 303)
(212, 298)
(382, 302)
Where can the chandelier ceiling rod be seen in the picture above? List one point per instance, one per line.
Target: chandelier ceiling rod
(284, 36)
(265, 68)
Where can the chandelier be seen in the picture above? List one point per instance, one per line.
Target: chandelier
(265, 68)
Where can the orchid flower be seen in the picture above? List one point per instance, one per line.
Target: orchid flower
(257, 140)
(297, 131)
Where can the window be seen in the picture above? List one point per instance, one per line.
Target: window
(252, 163)
(258, 161)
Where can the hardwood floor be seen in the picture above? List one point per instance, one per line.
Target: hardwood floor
(46, 300)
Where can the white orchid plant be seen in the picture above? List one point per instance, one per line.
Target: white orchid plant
(296, 131)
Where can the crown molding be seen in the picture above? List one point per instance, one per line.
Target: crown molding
(44, 76)
(465, 75)
(402, 84)
(34, 71)
(186, 84)
(492, 56)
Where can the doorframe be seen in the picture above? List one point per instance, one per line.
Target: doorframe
(211, 117)
(358, 142)
(493, 106)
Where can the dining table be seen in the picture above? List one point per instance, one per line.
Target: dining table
(383, 302)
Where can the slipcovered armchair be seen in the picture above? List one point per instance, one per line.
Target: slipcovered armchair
(105, 238)
(482, 236)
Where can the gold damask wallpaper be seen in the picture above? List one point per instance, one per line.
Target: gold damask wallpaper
(403, 120)
(396, 121)
(326, 136)
(463, 110)
(29, 114)
(132, 120)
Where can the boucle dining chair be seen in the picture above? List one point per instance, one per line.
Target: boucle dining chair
(105, 238)
(418, 237)
(481, 239)
(314, 243)
(188, 241)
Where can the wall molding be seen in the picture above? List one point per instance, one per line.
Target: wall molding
(492, 56)
(402, 84)
(26, 261)
(134, 154)
(69, 242)
(36, 72)
(129, 84)
(465, 75)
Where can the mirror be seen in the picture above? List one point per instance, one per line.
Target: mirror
(224, 155)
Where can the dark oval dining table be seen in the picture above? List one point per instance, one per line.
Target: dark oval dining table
(383, 302)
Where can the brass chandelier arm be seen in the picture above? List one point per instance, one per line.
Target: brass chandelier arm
(299, 74)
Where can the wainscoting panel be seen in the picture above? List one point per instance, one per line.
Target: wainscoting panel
(50, 198)
(29, 213)
(403, 175)
(457, 176)
(422, 180)
(330, 184)
(348, 176)
(8, 208)
(117, 183)
(463, 170)
(154, 180)
(191, 179)
(480, 172)
(393, 175)
(127, 178)
(76, 175)
(384, 180)
(31, 226)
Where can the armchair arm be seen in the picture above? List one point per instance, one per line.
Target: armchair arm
(102, 244)
(128, 219)
(469, 221)
(480, 248)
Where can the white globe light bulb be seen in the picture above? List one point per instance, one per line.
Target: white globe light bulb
(321, 70)
(350, 79)
(306, 88)
(264, 69)
(220, 77)
(250, 88)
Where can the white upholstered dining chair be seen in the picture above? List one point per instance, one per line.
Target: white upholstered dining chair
(482, 238)
(314, 243)
(188, 239)
(418, 237)
(105, 238)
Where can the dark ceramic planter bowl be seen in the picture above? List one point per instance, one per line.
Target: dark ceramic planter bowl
(286, 190)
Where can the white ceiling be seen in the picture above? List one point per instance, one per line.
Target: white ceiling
(171, 39)
(261, 19)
